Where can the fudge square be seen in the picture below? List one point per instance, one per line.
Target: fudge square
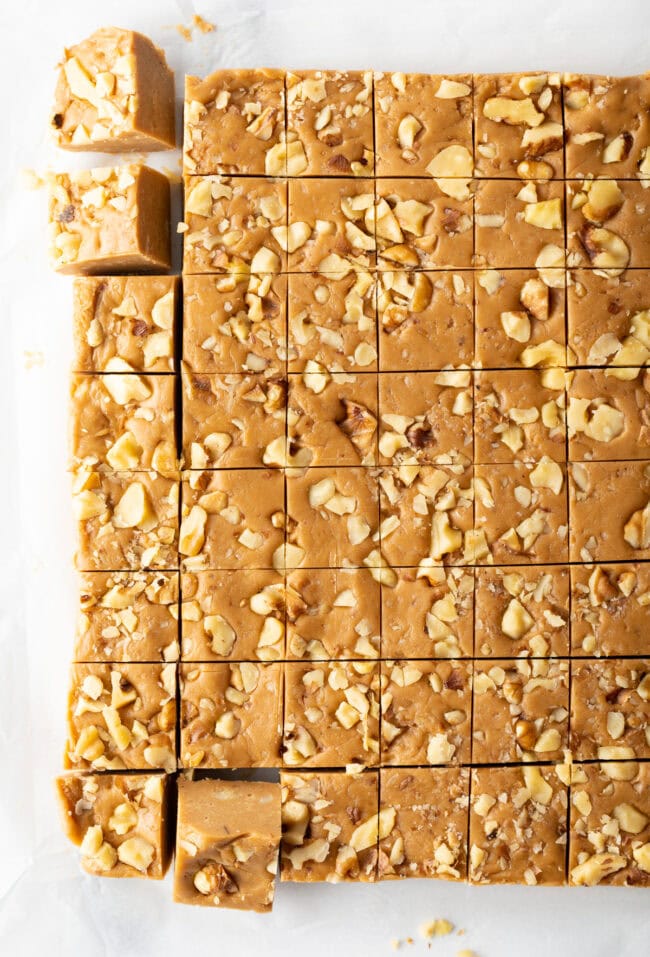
(118, 821)
(607, 225)
(610, 709)
(227, 843)
(517, 222)
(609, 607)
(331, 228)
(608, 321)
(607, 417)
(609, 509)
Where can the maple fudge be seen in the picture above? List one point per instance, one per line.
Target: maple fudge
(124, 319)
(114, 94)
(424, 820)
(610, 709)
(231, 715)
(331, 226)
(521, 513)
(607, 225)
(234, 123)
(520, 710)
(227, 843)
(426, 712)
(121, 716)
(609, 837)
(425, 320)
(109, 220)
(609, 509)
(421, 224)
(118, 821)
(125, 520)
(517, 222)
(329, 123)
(127, 616)
(522, 611)
(122, 420)
(236, 615)
(609, 609)
(607, 123)
(330, 826)
(520, 319)
(423, 125)
(231, 518)
(608, 418)
(518, 126)
(331, 713)
(234, 225)
(332, 322)
(333, 614)
(517, 826)
(608, 321)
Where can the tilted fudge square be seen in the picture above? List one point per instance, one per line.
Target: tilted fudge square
(517, 221)
(423, 125)
(608, 225)
(517, 826)
(608, 417)
(114, 94)
(608, 321)
(609, 511)
(109, 220)
(127, 616)
(231, 715)
(124, 319)
(234, 123)
(331, 226)
(236, 615)
(331, 713)
(118, 821)
(330, 826)
(121, 717)
(423, 813)
(609, 608)
(329, 123)
(227, 843)
(610, 709)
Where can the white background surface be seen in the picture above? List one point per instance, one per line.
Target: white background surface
(46, 905)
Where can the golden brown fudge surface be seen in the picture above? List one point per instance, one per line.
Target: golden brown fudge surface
(331, 714)
(125, 520)
(231, 715)
(331, 226)
(609, 608)
(234, 123)
(610, 709)
(608, 321)
(114, 94)
(608, 225)
(120, 320)
(110, 220)
(227, 843)
(517, 826)
(118, 821)
(330, 826)
(127, 616)
(609, 508)
(121, 717)
(607, 417)
(517, 222)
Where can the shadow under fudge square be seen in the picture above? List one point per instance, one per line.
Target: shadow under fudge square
(609, 506)
(608, 322)
(516, 223)
(610, 709)
(608, 417)
(608, 225)
(609, 609)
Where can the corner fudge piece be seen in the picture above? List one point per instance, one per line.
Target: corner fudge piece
(607, 225)
(517, 222)
(609, 509)
(609, 609)
(608, 321)
(610, 709)
(331, 226)
(608, 418)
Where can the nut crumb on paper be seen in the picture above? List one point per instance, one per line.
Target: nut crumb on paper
(197, 23)
(436, 928)
(34, 359)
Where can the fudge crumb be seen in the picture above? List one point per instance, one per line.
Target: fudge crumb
(395, 943)
(203, 25)
(436, 928)
(34, 359)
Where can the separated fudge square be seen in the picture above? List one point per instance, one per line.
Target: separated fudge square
(423, 125)
(518, 126)
(519, 224)
(425, 320)
(609, 510)
(227, 843)
(124, 319)
(331, 226)
(608, 225)
(332, 418)
(114, 94)
(109, 220)
(118, 821)
(235, 225)
(127, 616)
(520, 710)
(423, 812)
(333, 613)
(521, 513)
(330, 826)
(522, 611)
(232, 615)
(609, 609)
(420, 225)
(608, 322)
(331, 714)
(121, 717)
(426, 712)
(232, 518)
(125, 520)
(234, 123)
(235, 323)
(517, 826)
(609, 837)
(231, 715)
(610, 709)
(608, 418)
